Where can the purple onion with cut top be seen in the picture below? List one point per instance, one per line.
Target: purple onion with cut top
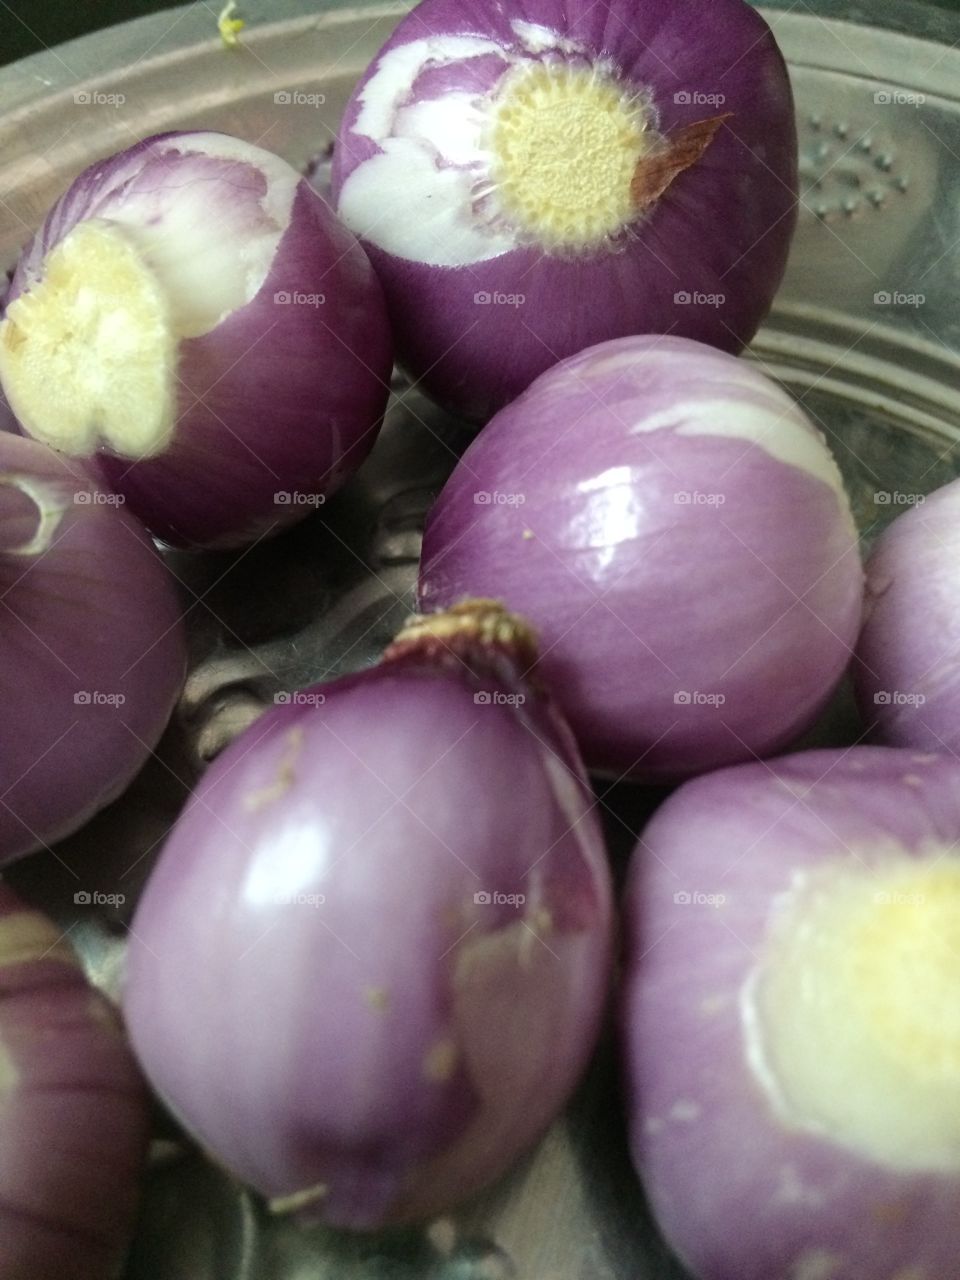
(907, 672)
(531, 179)
(371, 963)
(92, 647)
(790, 1018)
(677, 531)
(194, 315)
(73, 1111)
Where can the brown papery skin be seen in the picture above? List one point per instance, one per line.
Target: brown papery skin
(678, 151)
(470, 633)
(73, 1111)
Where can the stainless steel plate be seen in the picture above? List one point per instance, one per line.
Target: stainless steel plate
(866, 332)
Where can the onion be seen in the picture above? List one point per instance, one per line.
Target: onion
(371, 962)
(192, 309)
(678, 532)
(73, 1111)
(790, 1018)
(532, 178)
(907, 673)
(92, 645)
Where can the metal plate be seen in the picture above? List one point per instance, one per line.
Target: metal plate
(877, 367)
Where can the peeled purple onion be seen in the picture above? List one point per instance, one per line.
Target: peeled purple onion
(677, 531)
(371, 963)
(193, 313)
(533, 178)
(73, 1111)
(907, 672)
(790, 1018)
(92, 648)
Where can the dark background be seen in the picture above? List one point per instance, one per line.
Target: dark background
(28, 25)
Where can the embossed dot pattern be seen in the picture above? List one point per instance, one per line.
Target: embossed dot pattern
(847, 170)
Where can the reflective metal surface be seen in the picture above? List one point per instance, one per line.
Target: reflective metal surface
(866, 332)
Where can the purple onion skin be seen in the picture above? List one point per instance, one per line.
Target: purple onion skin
(642, 600)
(273, 399)
(91, 619)
(739, 1194)
(723, 227)
(401, 1042)
(73, 1111)
(907, 674)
